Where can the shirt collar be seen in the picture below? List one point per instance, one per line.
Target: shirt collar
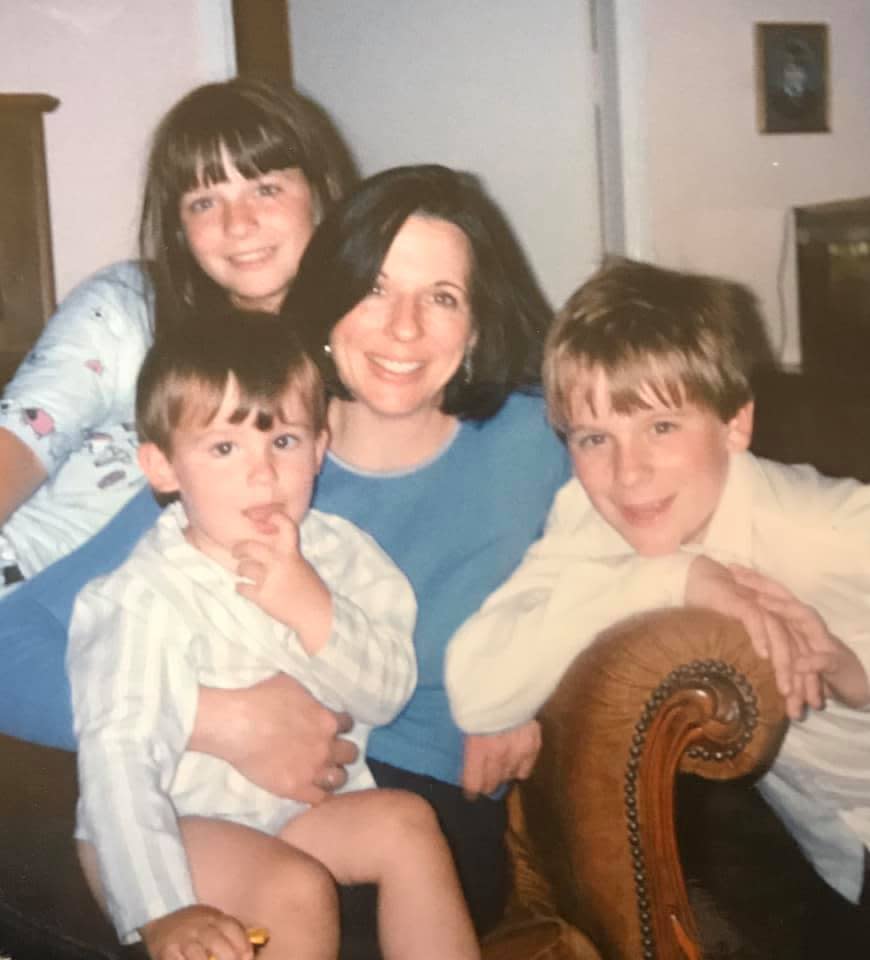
(729, 534)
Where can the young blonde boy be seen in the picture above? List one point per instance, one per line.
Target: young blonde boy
(239, 580)
(646, 375)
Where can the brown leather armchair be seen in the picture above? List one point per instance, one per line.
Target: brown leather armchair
(592, 832)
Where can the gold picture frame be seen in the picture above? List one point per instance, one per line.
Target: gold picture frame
(792, 77)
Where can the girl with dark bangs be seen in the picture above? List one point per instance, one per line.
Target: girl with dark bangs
(239, 174)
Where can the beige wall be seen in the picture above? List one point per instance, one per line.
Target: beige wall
(115, 65)
(504, 88)
(718, 191)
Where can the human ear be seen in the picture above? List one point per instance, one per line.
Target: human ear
(157, 469)
(739, 428)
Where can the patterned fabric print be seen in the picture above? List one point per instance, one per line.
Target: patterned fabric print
(72, 403)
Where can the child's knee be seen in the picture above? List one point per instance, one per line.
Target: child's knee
(305, 886)
(409, 819)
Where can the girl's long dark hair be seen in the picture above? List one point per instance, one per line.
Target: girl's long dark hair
(260, 128)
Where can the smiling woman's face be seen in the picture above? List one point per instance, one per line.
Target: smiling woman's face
(397, 349)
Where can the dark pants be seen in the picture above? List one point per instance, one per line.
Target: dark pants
(475, 832)
(769, 900)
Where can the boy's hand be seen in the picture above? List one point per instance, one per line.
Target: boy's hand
(282, 582)
(821, 652)
(716, 587)
(197, 933)
(492, 759)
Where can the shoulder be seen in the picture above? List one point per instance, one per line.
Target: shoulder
(322, 533)
(338, 548)
(800, 490)
(521, 434)
(119, 293)
(127, 278)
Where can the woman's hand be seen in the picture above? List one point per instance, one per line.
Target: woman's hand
(492, 759)
(196, 933)
(277, 735)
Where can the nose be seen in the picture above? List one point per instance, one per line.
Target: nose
(239, 217)
(405, 321)
(261, 468)
(630, 464)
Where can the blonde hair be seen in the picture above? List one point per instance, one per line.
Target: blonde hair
(678, 336)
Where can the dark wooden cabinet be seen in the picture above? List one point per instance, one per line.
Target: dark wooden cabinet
(26, 263)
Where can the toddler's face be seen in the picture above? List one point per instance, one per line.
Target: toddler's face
(234, 477)
(655, 474)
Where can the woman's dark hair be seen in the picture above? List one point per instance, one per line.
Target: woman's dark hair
(260, 128)
(342, 261)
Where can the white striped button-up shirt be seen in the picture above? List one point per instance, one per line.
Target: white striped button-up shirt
(143, 640)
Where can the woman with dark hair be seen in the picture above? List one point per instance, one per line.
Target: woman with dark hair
(415, 300)
(414, 297)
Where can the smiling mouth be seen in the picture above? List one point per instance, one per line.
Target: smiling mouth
(398, 367)
(645, 514)
(252, 258)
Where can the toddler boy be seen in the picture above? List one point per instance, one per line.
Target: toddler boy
(239, 580)
(647, 377)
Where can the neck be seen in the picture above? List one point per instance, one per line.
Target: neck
(369, 441)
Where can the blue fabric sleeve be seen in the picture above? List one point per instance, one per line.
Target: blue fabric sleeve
(34, 619)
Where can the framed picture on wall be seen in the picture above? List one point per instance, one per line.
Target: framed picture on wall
(792, 77)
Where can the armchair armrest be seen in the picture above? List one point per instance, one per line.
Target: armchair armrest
(667, 692)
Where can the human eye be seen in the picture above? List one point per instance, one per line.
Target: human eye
(198, 203)
(588, 441)
(268, 188)
(223, 448)
(287, 441)
(444, 298)
(662, 427)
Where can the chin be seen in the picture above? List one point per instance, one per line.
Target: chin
(653, 546)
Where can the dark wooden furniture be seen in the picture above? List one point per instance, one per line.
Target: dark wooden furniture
(26, 264)
(262, 34)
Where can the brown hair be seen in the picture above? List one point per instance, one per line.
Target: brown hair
(683, 336)
(185, 375)
(260, 128)
(509, 313)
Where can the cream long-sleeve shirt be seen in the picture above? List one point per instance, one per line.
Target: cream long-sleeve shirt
(142, 641)
(807, 531)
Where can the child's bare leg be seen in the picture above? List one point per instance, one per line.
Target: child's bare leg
(392, 838)
(265, 882)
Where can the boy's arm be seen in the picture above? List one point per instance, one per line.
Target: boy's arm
(821, 653)
(130, 739)
(350, 607)
(368, 663)
(507, 659)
